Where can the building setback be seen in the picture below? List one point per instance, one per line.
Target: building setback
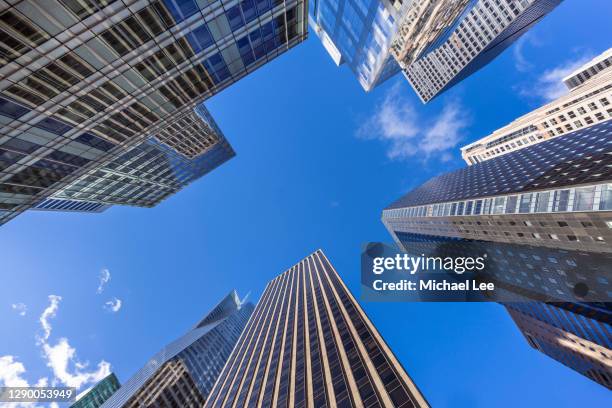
(309, 344)
(88, 86)
(589, 101)
(96, 396)
(183, 373)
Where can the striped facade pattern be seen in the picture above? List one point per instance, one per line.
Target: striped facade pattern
(309, 344)
(578, 342)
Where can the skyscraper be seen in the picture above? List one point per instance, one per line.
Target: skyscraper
(182, 374)
(589, 101)
(440, 43)
(580, 338)
(91, 86)
(557, 193)
(358, 33)
(544, 213)
(309, 344)
(100, 392)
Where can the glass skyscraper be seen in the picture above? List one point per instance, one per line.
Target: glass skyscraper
(96, 396)
(309, 344)
(557, 193)
(577, 335)
(358, 33)
(90, 91)
(183, 373)
(543, 215)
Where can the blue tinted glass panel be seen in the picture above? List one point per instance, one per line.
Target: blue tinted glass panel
(246, 52)
(249, 10)
(200, 38)
(11, 109)
(234, 16)
(94, 141)
(181, 9)
(217, 68)
(53, 126)
(263, 6)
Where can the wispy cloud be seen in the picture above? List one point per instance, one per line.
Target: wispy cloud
(521, 62)
(113, 305)
(104, 278)
(61, 358)
(20, 308)
(549, 85)
(396, 122)
(49, 312)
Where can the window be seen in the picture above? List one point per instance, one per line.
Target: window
(181, 9)
(477, 207)
(583, 200)
(606, 198)
(468, 208)
(561, 200)
(53, 126)
(498, 205)
(542, 202)
(460, 208)
(525, 205)
(511, 204)
(11, 109)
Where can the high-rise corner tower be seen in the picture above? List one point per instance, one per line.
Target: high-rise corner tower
(309, 344)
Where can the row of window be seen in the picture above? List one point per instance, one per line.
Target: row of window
(557, 126)
(590, 198)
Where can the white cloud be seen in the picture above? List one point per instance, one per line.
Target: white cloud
(47, 314)
(11, 375)
(113, 305)
(11, 372)
(521, 63)
(549, 85)
(396, 122)
(61, 358)
(20, 308)
(104, 279)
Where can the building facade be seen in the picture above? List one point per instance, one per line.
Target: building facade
(588, 102)
(578, 340)
(440, 44)
(183, 373)
(557, 193)
(96, 396)
(184, 150)
(309, 344)
(84, 83)
(358, 33)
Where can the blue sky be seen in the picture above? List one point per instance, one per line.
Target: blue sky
(317, 160)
